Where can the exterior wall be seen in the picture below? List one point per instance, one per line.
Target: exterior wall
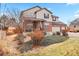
(48, 28)
(31, 12)
(55, 29)
(77, 27)
(48, 24)
(71, 28)
(41, 13)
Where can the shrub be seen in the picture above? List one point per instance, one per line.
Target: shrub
(64, 33)
(58, 33)
(6, 48)
(37, 36)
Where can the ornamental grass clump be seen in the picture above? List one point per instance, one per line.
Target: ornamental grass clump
(37, 37)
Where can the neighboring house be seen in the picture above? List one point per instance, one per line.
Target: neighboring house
(74, 25)
(57, 25)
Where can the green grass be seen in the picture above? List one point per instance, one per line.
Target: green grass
(59, 46)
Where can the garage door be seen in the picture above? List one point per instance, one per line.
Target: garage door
(55, 29)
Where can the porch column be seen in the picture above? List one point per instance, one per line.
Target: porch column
(41, 24)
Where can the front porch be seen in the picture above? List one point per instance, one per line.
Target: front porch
(30, 23)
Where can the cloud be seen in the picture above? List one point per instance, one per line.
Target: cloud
(77, 12)
(76, 15)
(71, 3)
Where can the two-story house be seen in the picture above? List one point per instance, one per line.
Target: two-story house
(74, 25)
(39, 17)
(35, 17)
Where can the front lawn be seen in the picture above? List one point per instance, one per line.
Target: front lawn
(58, 46)
(50, 46)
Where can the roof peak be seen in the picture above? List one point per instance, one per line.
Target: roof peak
(36, 6)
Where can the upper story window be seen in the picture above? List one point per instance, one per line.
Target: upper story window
(54, 19)
(46, 15)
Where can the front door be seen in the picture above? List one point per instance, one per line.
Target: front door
(35, 23)
(38, 24)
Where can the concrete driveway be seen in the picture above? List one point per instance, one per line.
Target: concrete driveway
(72, 34)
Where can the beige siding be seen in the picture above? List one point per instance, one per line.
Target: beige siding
(31, 12)
(77, 27)
(41, 13)
(74, 28)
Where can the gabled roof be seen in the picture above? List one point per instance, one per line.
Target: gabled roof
(37, 10)
(33, 7)
(75, 22)
(43, 9)
(29, 9)
(58, 24)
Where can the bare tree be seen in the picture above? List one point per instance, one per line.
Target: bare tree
(0, 9)
(14, 13)
(11, 13)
